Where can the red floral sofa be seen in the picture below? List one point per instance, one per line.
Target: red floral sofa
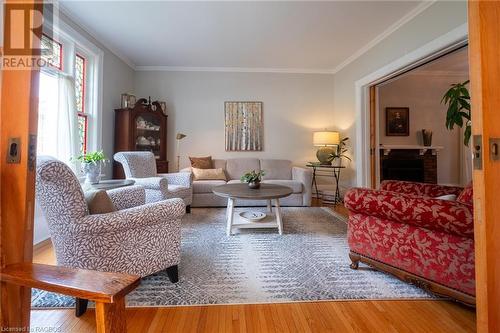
(404, 230)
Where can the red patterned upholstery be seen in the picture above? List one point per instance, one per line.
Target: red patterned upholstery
(427, 237)
(467, 195)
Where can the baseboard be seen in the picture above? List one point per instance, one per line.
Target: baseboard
(42, 244)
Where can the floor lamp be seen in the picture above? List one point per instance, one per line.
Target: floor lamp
(179, 137)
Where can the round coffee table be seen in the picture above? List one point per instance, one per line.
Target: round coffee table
(266, 192)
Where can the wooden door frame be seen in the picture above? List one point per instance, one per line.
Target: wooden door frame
(18, 119)
(449, 41)
(484, 55)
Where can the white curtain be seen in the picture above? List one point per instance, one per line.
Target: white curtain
(58, 123)
(466, 160)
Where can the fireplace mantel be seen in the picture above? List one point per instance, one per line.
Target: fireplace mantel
(422, 149)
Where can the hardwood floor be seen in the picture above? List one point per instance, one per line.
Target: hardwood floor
(326, 316)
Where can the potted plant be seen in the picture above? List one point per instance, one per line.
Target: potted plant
(253, 178)
(458, 113)
(91, 165)
(340, 152)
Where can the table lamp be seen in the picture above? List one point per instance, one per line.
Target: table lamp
(179, 137)
(326, 140)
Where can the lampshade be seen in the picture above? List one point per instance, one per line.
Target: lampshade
(180, 136)
(326, 138)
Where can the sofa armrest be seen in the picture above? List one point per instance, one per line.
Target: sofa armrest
(419, 189)
(434, 214)
(178, 178)
(167, 211)
(304, 176)
(127, 197)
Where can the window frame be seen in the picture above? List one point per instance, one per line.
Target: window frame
(75, 44)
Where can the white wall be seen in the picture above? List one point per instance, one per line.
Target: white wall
(294, 105)
(118, 78)
(435, 21)
(422, 94)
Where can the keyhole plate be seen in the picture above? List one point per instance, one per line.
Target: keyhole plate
(14, 150)
(495, 149)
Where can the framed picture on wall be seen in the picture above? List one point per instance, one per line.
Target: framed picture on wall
(397, 121)
(243, 126)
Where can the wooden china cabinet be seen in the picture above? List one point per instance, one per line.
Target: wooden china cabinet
(141, 128)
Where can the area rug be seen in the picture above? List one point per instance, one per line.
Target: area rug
(309, 262)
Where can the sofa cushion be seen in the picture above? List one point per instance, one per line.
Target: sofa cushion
(276, 169)
(206, 186)
(295, 185)
(201, 162)
(237, 167)
(208, 174)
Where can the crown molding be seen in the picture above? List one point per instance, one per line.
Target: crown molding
(60, 7)
(234, 69)
(386, 33)
(440, 73)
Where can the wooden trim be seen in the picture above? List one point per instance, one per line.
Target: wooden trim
(103, 287)
(416, 280)
(373, 136)
(18, 119)
(484, 67)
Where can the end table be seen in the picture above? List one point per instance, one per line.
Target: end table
(324, 170)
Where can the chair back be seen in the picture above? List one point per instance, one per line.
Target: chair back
(137, 164)
(58, 191)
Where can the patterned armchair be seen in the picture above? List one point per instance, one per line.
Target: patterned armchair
(141, 167)
(404, 230)
(137, 239)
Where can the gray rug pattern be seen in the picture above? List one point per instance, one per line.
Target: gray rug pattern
(308, 262)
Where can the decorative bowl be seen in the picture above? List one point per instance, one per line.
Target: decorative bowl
(253, 216)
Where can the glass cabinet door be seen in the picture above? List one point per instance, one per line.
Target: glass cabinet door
(147, 133)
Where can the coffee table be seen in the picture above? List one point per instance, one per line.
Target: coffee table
(266, 192)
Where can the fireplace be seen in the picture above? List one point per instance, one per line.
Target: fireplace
(417, 165)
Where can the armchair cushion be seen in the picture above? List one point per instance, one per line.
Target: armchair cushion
(467, 195)
(99, 202)
(419, 189)
(434, 214)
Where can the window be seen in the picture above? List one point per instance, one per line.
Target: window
(80, 101)
(73, 63)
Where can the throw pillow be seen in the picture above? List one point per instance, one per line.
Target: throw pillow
(201, 162)
(449, 197)
(209, 174)
(99, 202)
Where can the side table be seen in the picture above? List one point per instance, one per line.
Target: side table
(324, 170)
(108, 184)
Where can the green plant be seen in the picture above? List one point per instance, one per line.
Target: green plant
(92, 157)
(457, 99)
(341, 151)
(252, 176)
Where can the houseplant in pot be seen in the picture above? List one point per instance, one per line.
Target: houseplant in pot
(340, 153)
(457, 98)
(91, 164)
(253, 178)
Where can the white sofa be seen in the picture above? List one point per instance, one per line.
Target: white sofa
(279, 172)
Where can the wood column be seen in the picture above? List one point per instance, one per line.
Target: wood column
(18, 119)
(484, 58)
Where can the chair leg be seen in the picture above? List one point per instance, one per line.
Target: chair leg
(354, 260)
(173, 273)
(188, 209)
(80, 306)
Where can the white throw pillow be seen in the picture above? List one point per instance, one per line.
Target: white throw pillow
(449, 197)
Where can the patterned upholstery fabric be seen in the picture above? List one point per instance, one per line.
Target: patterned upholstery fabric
(419, 189)
(430, 238)
(141, 167)
(138, 240)
(467, 195)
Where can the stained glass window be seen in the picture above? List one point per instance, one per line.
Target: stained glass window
(51, 52)
(80, 101)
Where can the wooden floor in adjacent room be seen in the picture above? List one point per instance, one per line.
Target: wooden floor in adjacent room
(325, 316)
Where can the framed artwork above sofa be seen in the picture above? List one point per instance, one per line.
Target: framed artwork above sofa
(244, 129)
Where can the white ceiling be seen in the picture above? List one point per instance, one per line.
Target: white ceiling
(281, 36)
